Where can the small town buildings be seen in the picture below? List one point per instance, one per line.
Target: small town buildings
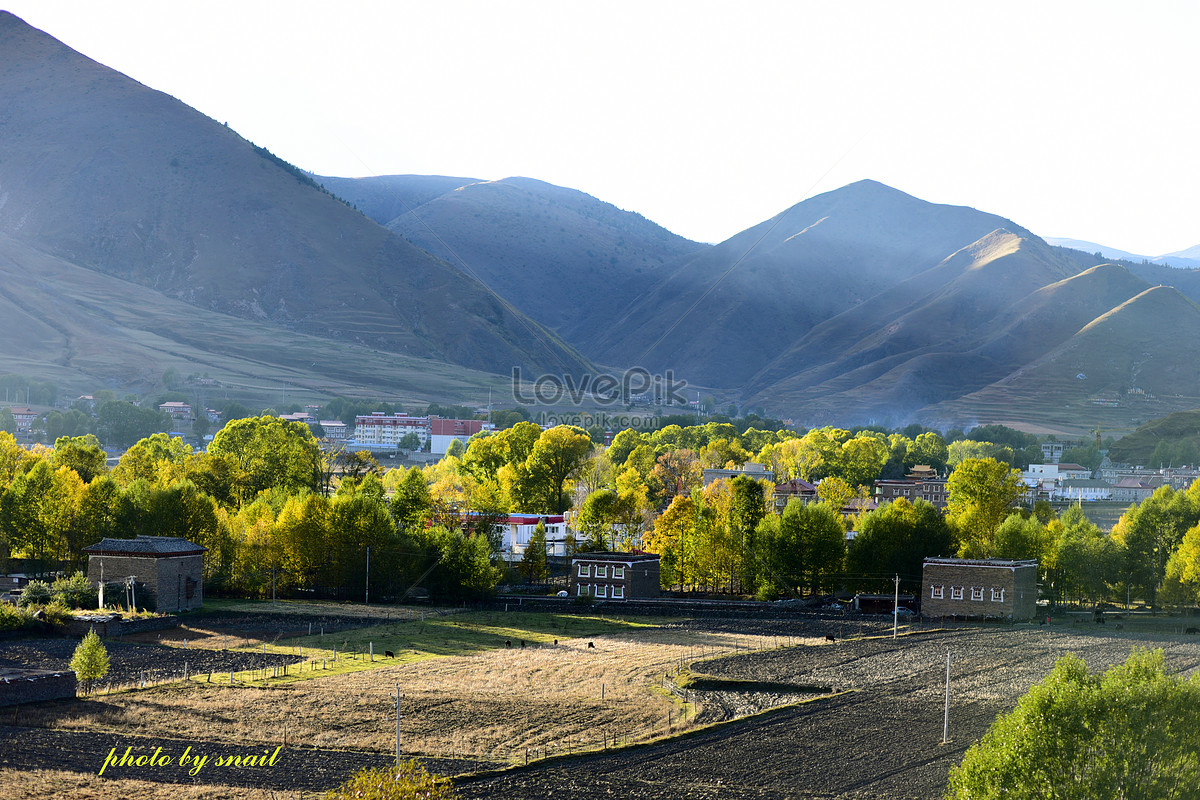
(517, 530)
(1133, 490)
(614, 576)
(921, 483)
(1081, 490)
(749, 469)
(979, 588)
(172, 569)
(24, 418)
(378, 428)
(299, 416)
(335, 430)
(1052, 452)
(176, 409)
(1073, 472)
(798, 488)
(444, 431)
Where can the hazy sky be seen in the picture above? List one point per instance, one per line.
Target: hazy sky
(1074, 119)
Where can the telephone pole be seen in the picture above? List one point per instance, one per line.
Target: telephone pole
(896, 608)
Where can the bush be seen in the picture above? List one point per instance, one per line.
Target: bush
(410, 782)
(75, 592)
(36, 593)
(12, 619)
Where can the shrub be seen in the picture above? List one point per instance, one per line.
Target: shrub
(12, 619)
(409, 782)
(75, 592)
(36, 593)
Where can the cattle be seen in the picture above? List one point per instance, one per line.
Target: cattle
(1192, 631)
(388, 654)
(508, 642)
(591, 646)
(829, 638)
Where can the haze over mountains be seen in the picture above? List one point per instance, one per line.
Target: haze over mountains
(136, 234)
(1182, 259)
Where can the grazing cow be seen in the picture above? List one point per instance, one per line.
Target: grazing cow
(829, 638)
(522, 644)
(388, 654)
(508, 642)
(1192, 631)
(556, 641)
(592, 646)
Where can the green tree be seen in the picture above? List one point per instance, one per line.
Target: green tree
(269, 452)
(558, 453)
(1132, 733)
(146, 459)
(408, 782)
(120, 424)
(1150, 532)
(455, 449)
(981, 492)
(1089, 561)
(90, 661)
(895, 539)
(82, 454)
(412, 503)
(8, 423)
(533, 562)
(596, 519)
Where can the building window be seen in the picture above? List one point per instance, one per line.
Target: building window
(601, 572)
(977, 593)
(997, 595)
(619, 573)
(618, 593)
(935, 593)
(581, 589)
(956, 593)
(600, 591)
(583, 571)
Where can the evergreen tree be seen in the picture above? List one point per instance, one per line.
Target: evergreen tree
(533, 563)
(90, 661)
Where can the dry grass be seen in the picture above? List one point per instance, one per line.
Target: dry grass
(38, 785)
(489, 704)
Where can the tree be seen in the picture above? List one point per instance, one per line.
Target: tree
(269, 452)
(120, 424)
(408, 782)
(981, 491)
(1132, 733)
(1088, 560)
(146, 458)
(533, 562)
(558, 453)
(90, 661)
(596, 519)
(895, 539)
(1151, 531)
(411, 503)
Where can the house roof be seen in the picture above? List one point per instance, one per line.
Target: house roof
(153, 546)
(1066, 466)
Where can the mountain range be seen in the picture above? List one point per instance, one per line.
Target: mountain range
(1181, 259)
(137, 234)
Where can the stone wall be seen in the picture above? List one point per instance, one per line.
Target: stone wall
(976, 590)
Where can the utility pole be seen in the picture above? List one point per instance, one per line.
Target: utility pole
(272, 584)
(367, 589)
(896, 608)
(399, 717)
(946, 723)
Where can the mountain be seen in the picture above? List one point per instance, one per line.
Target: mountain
(561, 256)
(1131, 363)
(728, 310)
(383, 198)
(1092, 247)
(100, 172)
(947, 331)
(1183, 259)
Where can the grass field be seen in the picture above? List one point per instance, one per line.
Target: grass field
(469, 688)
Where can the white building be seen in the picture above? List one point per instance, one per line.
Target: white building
(377, 428)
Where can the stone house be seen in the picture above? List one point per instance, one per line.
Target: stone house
(172, 569)
(614, 576)
(979, 588)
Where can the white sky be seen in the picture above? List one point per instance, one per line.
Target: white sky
(1074, 119)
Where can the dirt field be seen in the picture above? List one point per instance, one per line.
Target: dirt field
(471, 703)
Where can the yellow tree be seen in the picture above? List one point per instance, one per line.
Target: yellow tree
(982, 491)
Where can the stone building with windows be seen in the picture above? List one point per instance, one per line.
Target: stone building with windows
(979, 588)
(614, 576)
(171, 569)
